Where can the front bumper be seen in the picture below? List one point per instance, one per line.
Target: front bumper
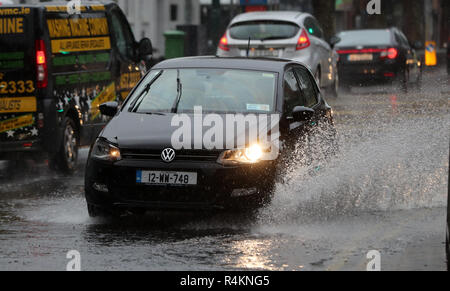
(216, 184)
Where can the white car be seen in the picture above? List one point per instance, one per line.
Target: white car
(283, 34)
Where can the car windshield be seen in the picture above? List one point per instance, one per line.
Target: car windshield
(215, 90)
(260, 30)
(365, 38)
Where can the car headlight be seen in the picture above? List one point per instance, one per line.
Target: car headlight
(103, 150)
(249, 155)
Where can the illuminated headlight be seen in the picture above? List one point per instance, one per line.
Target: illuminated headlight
(103, 150)
(249, 155)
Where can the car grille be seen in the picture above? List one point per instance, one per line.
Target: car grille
(183, 155)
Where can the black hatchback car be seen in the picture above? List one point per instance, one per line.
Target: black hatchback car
(377, 55)
(144, 160)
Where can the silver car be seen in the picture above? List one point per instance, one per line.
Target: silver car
(283, 34)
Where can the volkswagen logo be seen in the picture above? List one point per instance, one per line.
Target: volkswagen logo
(168, 155)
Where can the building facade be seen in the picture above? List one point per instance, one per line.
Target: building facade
(151, 18)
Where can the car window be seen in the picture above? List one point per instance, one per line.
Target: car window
(313, 27)
(399, 39)
(292, 95)
(215, 90)
(404, 39)
(366, 37)
(123, 35)
(307, 86)
(264, 30)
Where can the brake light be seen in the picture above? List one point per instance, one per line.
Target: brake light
(41, 65)
(303, 41)
(223, 44)
(391, 53)
(40, 57)
(360, 51)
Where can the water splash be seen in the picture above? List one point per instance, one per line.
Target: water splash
(381, 167)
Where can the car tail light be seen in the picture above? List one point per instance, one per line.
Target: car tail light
(303, 41)
(41, 64)
(223, 44)
(360, 51)
(391, 53)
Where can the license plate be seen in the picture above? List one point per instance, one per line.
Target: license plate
(360, 57)
(166, 178)
(263, 53)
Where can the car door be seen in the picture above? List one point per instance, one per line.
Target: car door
(307, 87)
(292, 97)
(309, 91)
(126, 69)
(324, 50)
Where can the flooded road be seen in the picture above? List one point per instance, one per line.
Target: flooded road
(385, 191)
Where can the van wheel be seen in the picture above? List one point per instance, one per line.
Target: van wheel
(67, 157)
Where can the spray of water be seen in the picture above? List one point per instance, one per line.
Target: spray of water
(380, 167)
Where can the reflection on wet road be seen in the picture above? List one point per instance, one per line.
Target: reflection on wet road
(385, 191)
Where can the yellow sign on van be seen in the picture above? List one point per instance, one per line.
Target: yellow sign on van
(81, 44)
(430, 54)
(59, 28)
(16, 123)
(83, 8)
(18, 104)
(15, 11)
(108, 94)
(11, 25)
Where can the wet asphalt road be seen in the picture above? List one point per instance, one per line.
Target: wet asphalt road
(385, 191)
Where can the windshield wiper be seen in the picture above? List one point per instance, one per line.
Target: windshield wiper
(154, 113)
(179, 93)
(134, 106)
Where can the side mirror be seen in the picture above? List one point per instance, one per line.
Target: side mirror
(418, 45)
(145, 48)
(109, 108)
(302, 114)
(334, 40)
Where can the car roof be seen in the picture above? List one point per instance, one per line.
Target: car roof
(292, 16)
(257, 64)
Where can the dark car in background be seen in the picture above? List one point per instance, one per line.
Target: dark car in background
(134, 165)
(55, 71)
(383, 55)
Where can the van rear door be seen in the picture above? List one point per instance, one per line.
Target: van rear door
(18, 100)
